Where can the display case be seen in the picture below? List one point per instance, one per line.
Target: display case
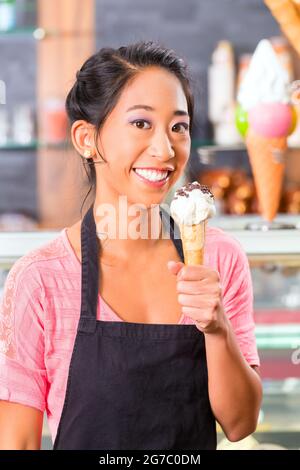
(274, 258)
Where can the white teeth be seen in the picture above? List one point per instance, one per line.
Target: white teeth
(152, 175)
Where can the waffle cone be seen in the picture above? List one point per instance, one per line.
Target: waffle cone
(267, 172)
(193, 238)
(287, 14)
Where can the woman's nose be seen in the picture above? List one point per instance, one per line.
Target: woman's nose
(161, 147)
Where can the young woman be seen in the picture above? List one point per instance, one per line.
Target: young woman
(120, 343)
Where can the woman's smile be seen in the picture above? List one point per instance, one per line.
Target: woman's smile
(153, 176)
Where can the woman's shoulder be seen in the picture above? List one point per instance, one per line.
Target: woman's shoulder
(23, 293)
(30, 280)
(52, 255)
(44, 253)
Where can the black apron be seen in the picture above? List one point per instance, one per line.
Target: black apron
(133, 386)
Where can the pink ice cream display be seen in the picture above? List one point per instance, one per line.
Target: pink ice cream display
(271, 119)
(264, 101)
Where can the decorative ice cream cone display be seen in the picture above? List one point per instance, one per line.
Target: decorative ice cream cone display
(264, 97)
(191, 206)
(268, 171)
(287, 13)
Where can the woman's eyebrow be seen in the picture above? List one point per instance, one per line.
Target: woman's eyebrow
(178, 112)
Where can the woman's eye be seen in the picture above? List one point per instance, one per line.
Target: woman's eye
(180, 127)
(141, 124)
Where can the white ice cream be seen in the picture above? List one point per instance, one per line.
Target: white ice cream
(266, 81)
(192, 204)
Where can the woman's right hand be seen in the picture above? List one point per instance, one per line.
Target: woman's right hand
(20, 427)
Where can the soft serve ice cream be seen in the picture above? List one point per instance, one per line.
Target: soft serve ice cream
(192, 205)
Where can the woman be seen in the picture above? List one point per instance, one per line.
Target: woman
(99, 329)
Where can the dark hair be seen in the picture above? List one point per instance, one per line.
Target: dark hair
(102, 78)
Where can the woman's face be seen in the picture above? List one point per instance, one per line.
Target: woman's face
(145, 140)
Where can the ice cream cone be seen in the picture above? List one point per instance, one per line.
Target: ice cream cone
(287, 13)
(267, 162)
(191, 207)
(193, 238)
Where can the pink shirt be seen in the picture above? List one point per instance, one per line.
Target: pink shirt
(40, 309)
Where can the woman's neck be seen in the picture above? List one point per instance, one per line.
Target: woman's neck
(127, 230)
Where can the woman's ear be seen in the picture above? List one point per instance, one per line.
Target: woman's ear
(82, 134)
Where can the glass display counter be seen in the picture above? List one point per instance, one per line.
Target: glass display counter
(274, 259)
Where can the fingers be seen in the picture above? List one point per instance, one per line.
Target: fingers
(199, 287)
(205, 321)
(192, 273)
(205, 302)
(197, 315)
(175, 267)
(198, 273)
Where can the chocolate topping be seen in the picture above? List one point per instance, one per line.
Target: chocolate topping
(185, 190)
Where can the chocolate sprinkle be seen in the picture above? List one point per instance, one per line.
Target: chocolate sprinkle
(185, 190)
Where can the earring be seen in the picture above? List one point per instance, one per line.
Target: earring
(87, 153)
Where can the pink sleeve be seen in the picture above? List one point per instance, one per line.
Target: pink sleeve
(22, 369)
(238, 297)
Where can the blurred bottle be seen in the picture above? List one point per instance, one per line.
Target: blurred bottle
(4, 127)
(23, 125)
(221, 95)
(7, 15)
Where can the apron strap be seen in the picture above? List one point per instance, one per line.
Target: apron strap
(90, 249)
(172, 228)
(90, 276)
